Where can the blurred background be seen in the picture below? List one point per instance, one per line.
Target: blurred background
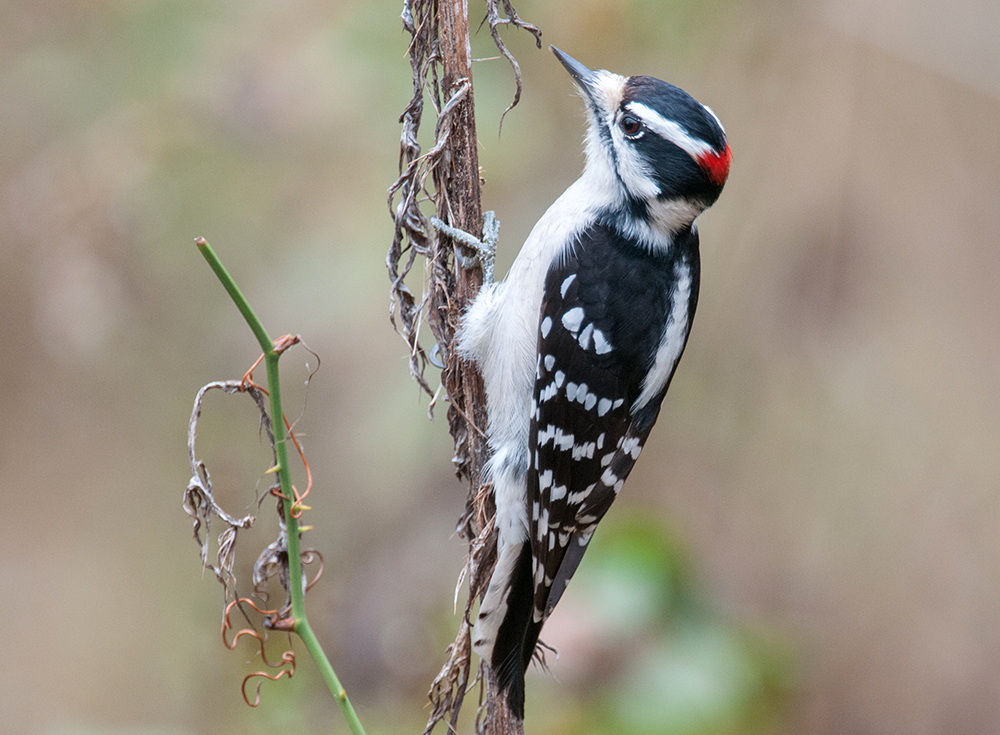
(809, 544)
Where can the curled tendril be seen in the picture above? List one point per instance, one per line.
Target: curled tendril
(308, 557)
(287, 658)
(281, 345)
(200, 504)
(297, 506)
(227, 625)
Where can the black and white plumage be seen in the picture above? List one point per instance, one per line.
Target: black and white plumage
(578, 344)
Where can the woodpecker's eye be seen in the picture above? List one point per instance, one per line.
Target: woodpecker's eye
(631, 126)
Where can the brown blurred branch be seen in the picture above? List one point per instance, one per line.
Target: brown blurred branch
(459, 204)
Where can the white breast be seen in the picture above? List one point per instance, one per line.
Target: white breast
(500, 333)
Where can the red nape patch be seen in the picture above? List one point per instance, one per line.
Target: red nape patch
(716, 165)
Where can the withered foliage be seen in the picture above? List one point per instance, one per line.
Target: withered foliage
(446, 179)
(412, 234)
(510, 17)
(200, 503)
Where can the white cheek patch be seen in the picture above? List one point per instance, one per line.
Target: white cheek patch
(670, 130)
(634, 172)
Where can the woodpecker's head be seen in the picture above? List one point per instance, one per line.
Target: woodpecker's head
(663, 154)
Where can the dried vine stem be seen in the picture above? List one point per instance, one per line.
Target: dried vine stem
(440, 59)
(199, 500)
(495, 20)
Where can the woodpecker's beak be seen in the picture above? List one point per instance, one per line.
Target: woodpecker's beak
(584, 77)
(578, 71)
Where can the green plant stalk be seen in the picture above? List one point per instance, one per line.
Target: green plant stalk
(300, 621)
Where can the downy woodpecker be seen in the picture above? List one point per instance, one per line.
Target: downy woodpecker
(579, 342)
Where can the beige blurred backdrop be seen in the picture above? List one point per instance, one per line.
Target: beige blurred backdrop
(828, 452)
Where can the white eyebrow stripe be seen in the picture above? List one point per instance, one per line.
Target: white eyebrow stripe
(669, 130)
(712, 113)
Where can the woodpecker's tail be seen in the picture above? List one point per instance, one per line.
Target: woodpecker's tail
(504, 618)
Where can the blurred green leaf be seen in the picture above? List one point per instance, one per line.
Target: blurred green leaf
(636, 572)
(672, 665)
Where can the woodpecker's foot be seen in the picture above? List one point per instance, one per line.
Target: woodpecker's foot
(485, 249)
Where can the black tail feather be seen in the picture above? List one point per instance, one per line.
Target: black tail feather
(530, 642)
(509, 660)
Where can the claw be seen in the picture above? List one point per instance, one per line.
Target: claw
(485, 250)
(467, 261)
(435, 355)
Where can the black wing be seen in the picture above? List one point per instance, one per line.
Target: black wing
(604, 314)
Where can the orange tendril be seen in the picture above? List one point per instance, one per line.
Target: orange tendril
(288, 657)
(308, 557)
(274, 621)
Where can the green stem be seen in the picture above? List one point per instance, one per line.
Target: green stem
(266, 345)
(305, 632)
(271, 357)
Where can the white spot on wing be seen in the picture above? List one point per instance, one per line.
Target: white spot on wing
(546, 326)
(572, 319)
(548, 391)
(563, 441)
(579, 497)
(632, 446)
(585, 336)
(603, 406)
(566, 284)
(601, 344)
(550, 361)
(545, 435)
(545, 480)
